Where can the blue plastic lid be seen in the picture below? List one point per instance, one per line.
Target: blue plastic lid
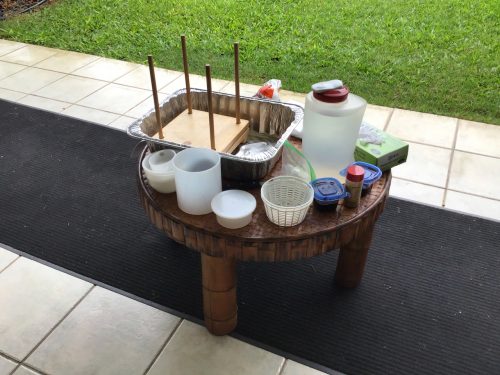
(328, 190)
(372, 173)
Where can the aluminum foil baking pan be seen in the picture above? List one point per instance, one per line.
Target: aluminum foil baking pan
(271, 123)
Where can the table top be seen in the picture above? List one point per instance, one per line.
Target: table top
(262, 240)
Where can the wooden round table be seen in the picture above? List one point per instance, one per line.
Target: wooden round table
(349, 230)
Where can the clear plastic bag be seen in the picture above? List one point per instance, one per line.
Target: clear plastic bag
(294, 163)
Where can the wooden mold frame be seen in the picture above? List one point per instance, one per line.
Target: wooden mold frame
(197, 128)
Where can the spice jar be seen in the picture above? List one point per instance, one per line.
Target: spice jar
(354, 185)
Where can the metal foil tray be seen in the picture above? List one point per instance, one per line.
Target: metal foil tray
(271, 123)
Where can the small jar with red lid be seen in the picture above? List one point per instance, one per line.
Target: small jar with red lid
(354, 185)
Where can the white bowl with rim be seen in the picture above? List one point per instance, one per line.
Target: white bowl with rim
(162, 182)
(234, 208)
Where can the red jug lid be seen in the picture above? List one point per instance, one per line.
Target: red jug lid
(332, 96)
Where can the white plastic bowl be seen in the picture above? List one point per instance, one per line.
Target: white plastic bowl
(234, 208)
(161, 161)
(162, 182)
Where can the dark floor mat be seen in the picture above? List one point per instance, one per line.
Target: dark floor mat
(429, 302)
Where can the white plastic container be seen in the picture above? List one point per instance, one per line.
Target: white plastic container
(197, 179)
(331, 126)
(234, 208)
(161, 161)
(162, 182)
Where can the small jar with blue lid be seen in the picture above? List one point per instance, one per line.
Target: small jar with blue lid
(327, 193)
(372, 174)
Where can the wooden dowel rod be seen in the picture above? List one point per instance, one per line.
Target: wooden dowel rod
(186, 73)
(155, 95)
(210, 109)
(237, 81)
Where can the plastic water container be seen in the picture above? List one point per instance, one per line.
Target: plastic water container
(332, 119)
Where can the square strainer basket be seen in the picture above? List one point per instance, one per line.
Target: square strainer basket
(286, 200)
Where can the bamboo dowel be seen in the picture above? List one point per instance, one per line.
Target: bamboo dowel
(237, 81)
(155, 95)
(210, 109)
(186, 73)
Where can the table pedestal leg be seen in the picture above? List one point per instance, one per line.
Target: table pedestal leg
(219, 294)
(352, 259)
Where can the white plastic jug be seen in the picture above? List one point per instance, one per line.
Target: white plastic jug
(332, 118)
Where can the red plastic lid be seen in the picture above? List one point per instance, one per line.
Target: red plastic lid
(332, 96)
(355, 173)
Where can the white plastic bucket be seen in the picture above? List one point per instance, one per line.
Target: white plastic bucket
(197, 179)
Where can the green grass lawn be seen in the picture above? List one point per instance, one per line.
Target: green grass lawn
(438, 56)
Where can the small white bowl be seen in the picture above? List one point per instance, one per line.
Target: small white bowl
(234, 208)
(161, 161)
(162, 182)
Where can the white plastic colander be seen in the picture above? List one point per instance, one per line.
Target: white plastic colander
(286, 200)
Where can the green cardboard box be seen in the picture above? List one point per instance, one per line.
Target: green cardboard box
(390, 153)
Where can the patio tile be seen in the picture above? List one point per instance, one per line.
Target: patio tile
(122, 123)
(71, 88)
(245, 89)
(44, 103)
(478, 137)
(22, 370)
(6, 366)
(423, 128)
(473, 205)
(195, 81)
(11, 95)
(425, 164)
(90, 114)
(105, 69)
(140, 78)
(143, 107)
(475, 174)
(8, 46)
(294, 368)
(34, 298)
(193, 350)
(66, 61)
(6, 258)
(115, 98)
(30, 80)
(7, 69)
(29, 55)
(377, 116)
(417, 192)
(106, 333)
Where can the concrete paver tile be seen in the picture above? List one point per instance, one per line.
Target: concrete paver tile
(6, 258)
(140, 78)
(44, 103)
(70, 88)
(417, 192)
(29, 55)
(29, 80)
(90, 114)
(488, 208)
(7, 69)
(475, 174)
(425, 164)
(8, 46)
(115, 98)
(478, 137)
(105, 69)
(424, 128)
(66, 61)
(34, 298)
(106, 333)
(192, 350)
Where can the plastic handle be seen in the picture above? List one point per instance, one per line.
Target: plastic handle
(327, 85)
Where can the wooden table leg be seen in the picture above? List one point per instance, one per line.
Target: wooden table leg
(219, 294)
(352, 259)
